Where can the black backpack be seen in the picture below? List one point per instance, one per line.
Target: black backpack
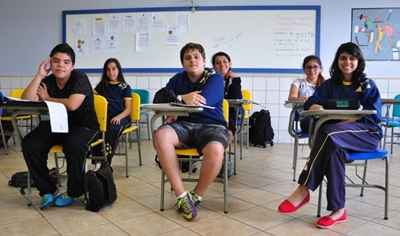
(261, 131)
(20, 180)
(100, 188)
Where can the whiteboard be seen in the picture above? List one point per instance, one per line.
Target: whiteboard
(259, 39)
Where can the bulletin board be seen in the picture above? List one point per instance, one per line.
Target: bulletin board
(259, 39)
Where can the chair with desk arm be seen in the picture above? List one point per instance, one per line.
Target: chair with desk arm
(356, 158)
(101, 108)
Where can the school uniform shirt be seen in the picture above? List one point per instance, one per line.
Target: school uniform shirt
(367, 95)
(78, 83)
(306, 89)
(212, 91)
(115, 95)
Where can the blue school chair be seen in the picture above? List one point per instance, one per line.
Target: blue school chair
(144, 99)
(361, 159)
(297, 134)
(392, 123)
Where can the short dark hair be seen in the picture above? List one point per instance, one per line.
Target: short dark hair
(64, 48)
(354, 50)
(220, 54)
(192, 46)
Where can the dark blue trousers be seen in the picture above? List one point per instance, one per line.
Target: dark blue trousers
(329, 155)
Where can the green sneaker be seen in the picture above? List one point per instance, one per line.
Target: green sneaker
(186, 207)
(196, 198)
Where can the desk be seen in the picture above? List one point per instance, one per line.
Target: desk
(165, 109)
(23, 108)
(326, 115)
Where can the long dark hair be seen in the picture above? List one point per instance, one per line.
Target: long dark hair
(309, 58)
(104, 77)
(358, 75)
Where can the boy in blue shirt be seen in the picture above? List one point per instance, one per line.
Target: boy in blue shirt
(205, 130)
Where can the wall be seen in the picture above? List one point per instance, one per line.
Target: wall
(29, 29)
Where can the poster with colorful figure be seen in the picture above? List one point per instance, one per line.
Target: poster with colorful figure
(377, 32)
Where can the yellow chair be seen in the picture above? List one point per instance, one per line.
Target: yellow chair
(192, 152)
(134, 127)
(246, 117)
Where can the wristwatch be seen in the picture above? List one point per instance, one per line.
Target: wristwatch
(179, 98)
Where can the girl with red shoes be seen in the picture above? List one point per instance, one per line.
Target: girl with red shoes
(335, 140)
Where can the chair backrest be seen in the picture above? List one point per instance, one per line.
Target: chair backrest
(247, 107)
(135, 112)
(101, 108)
(225, 109)
(16, 92)
(144, 95)
(396, 107)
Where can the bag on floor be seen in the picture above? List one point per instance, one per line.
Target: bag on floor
(99, 188)
(20, 180)
(261, 131)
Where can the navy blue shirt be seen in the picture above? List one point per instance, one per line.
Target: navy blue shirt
(115, 95)
(212, 91)
(368, 97)
(78, 83)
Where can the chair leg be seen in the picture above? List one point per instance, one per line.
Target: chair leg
(384, 138)
(363, 179)
(162, 190)
(148, 127)
(386, 187)
(29, 187)
(319, 199)
(139, 147)
(3, 139)
(391, 141)
(294, 162)
(225, 183)
(126, 154)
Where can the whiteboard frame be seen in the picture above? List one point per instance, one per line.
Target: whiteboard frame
(316, 8)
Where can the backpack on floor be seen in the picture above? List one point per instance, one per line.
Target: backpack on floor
(261, 131)
(20, 180)
(99, 188)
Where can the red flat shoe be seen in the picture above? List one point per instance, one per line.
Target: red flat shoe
(287, 207)
(326, 222)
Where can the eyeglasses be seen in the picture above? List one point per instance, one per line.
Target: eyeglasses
(312, 67)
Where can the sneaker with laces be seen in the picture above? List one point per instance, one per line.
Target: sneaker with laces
(196, 198)
(63, 200)
(46, 201)
(186, 207)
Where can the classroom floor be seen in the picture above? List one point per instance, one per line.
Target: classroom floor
(263, 180)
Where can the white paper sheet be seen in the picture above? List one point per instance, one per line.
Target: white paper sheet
(58, 117)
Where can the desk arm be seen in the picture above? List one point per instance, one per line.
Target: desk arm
(327, 115)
